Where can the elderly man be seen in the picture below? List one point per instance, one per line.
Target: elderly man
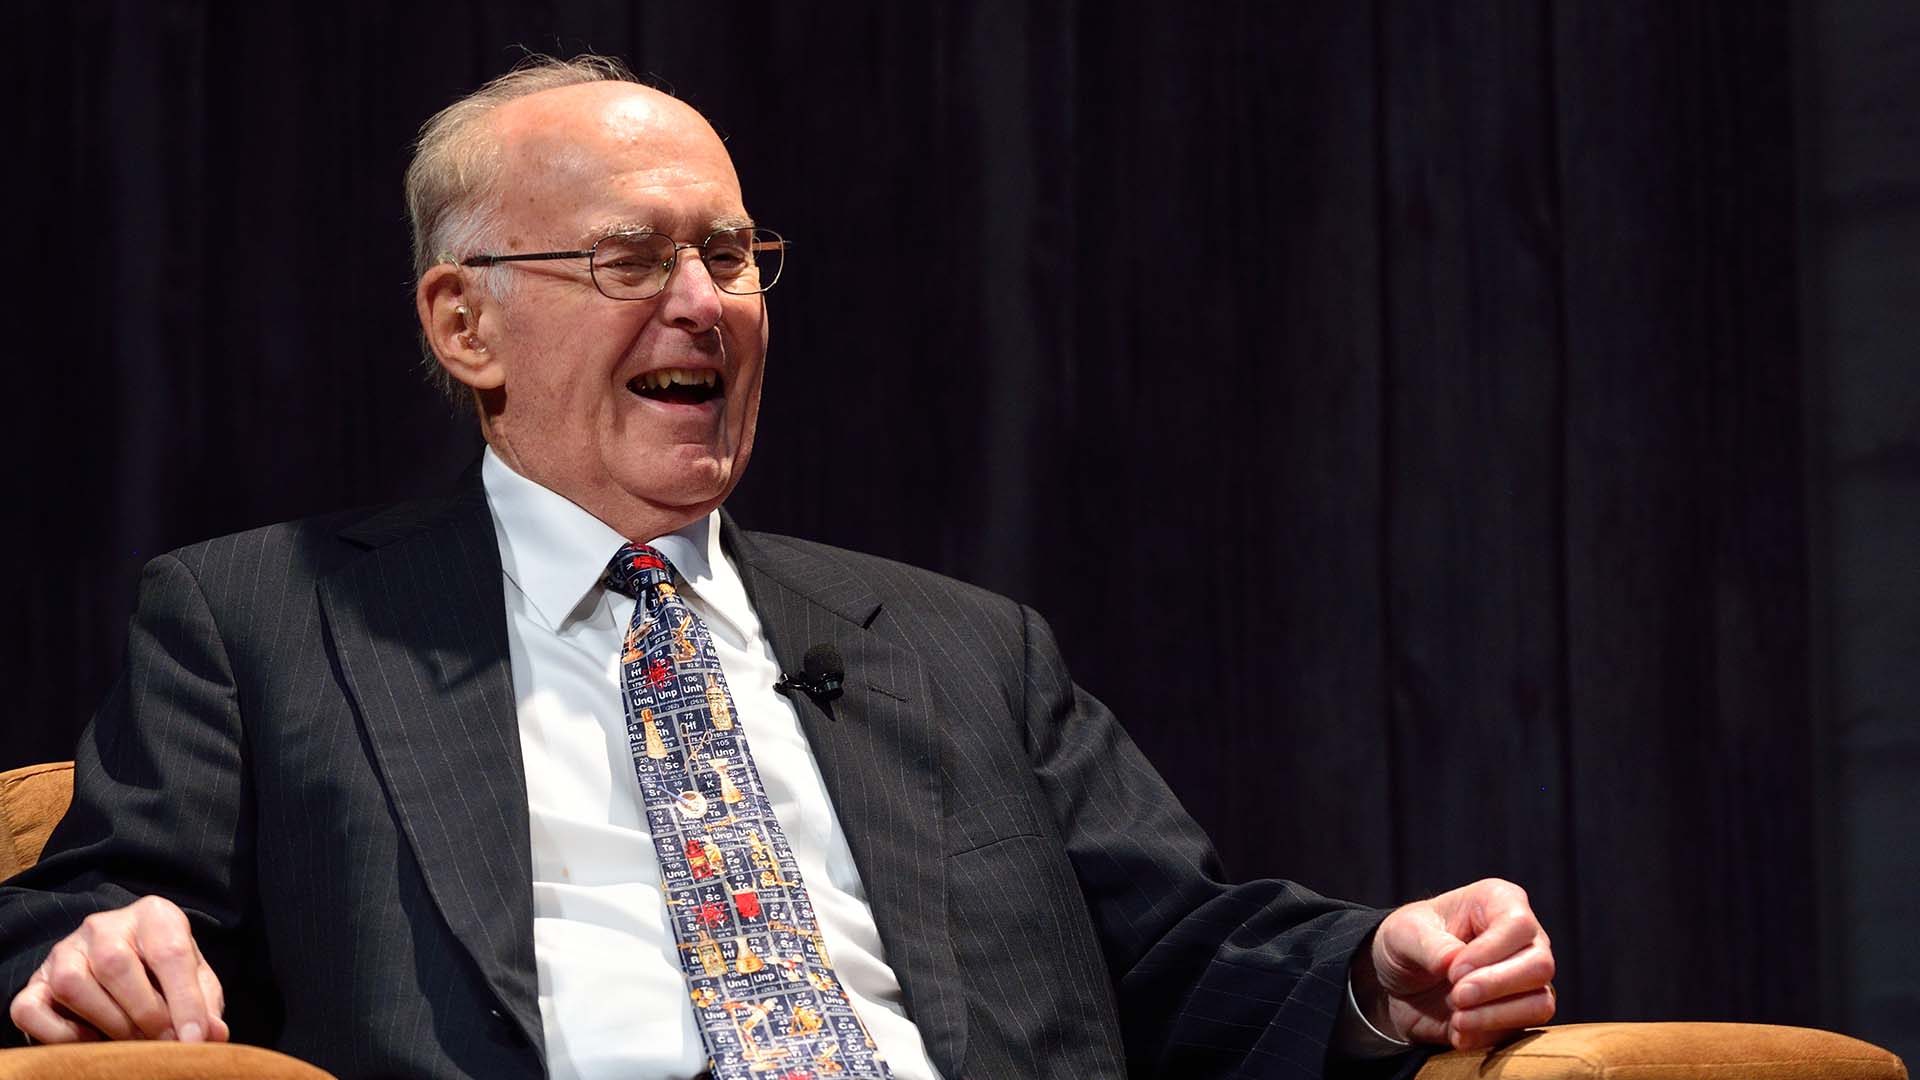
(511, 783)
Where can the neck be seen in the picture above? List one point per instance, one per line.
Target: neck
(638, 520)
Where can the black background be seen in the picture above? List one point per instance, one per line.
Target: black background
(1418, 420)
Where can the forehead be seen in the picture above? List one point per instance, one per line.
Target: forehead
(579, 160)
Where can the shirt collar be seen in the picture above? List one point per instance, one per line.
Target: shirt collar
(556, 553)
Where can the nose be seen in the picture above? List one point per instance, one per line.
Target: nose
(691, 301)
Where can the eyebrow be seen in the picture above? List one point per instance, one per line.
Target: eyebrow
(731, 221)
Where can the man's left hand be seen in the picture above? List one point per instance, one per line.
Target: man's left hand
(1463, 968)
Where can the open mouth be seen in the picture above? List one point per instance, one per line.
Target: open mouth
(678, 386)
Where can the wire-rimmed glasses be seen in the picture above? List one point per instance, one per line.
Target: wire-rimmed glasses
(637, 265)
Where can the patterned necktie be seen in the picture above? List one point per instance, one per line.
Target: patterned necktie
(765, 996)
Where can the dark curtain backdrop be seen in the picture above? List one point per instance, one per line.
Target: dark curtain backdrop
(1411, 390)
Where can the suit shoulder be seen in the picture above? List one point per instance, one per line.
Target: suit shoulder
(893, 581)
(285, 559)
(312, 536)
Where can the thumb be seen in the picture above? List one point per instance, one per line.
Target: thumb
(1414, 948)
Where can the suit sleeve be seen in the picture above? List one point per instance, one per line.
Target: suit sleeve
(161, 801)
(1212, 978)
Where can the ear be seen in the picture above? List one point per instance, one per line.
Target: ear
(451, 319)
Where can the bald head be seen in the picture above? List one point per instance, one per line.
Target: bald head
(631, 144)
(621, 112)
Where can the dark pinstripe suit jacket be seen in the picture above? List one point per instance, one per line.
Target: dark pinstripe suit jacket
(313, 750)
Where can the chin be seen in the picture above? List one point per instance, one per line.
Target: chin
(682, 480)
(695, 489)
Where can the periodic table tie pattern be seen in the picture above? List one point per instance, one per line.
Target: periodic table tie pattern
(764, 992)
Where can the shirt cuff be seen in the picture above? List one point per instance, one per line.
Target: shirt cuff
(1355, 1037)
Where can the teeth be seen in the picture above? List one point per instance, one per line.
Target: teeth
(665, 377)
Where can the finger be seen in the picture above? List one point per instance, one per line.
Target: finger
(117, 967)
(1489, 1023)
(45, 1023)
(51, 1029)
(216, 999)
(1526, 971)
(72, 987)
(1506, 933)
(165, 942)
(37, 1016)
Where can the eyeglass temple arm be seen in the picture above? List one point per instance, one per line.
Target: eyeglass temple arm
(542, 256)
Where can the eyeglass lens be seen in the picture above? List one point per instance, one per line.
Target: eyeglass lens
(634, 266)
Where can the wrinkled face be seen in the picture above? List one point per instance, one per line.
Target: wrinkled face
(640, 411)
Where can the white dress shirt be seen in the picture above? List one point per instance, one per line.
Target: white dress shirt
(613, 998)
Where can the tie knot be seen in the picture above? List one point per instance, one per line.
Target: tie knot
(638, 569)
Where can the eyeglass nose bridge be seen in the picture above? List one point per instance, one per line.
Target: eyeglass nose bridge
(670, 265)
(673, 266)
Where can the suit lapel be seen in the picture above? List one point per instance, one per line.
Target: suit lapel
(418, 625)
(878, 748)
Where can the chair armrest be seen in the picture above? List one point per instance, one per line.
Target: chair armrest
(33, 799)
(1670, 1051)
(153, 1061)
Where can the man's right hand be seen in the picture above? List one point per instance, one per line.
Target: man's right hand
(130, 973)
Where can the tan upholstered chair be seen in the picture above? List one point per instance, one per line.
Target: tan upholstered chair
(34, 798)
(32, 802)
